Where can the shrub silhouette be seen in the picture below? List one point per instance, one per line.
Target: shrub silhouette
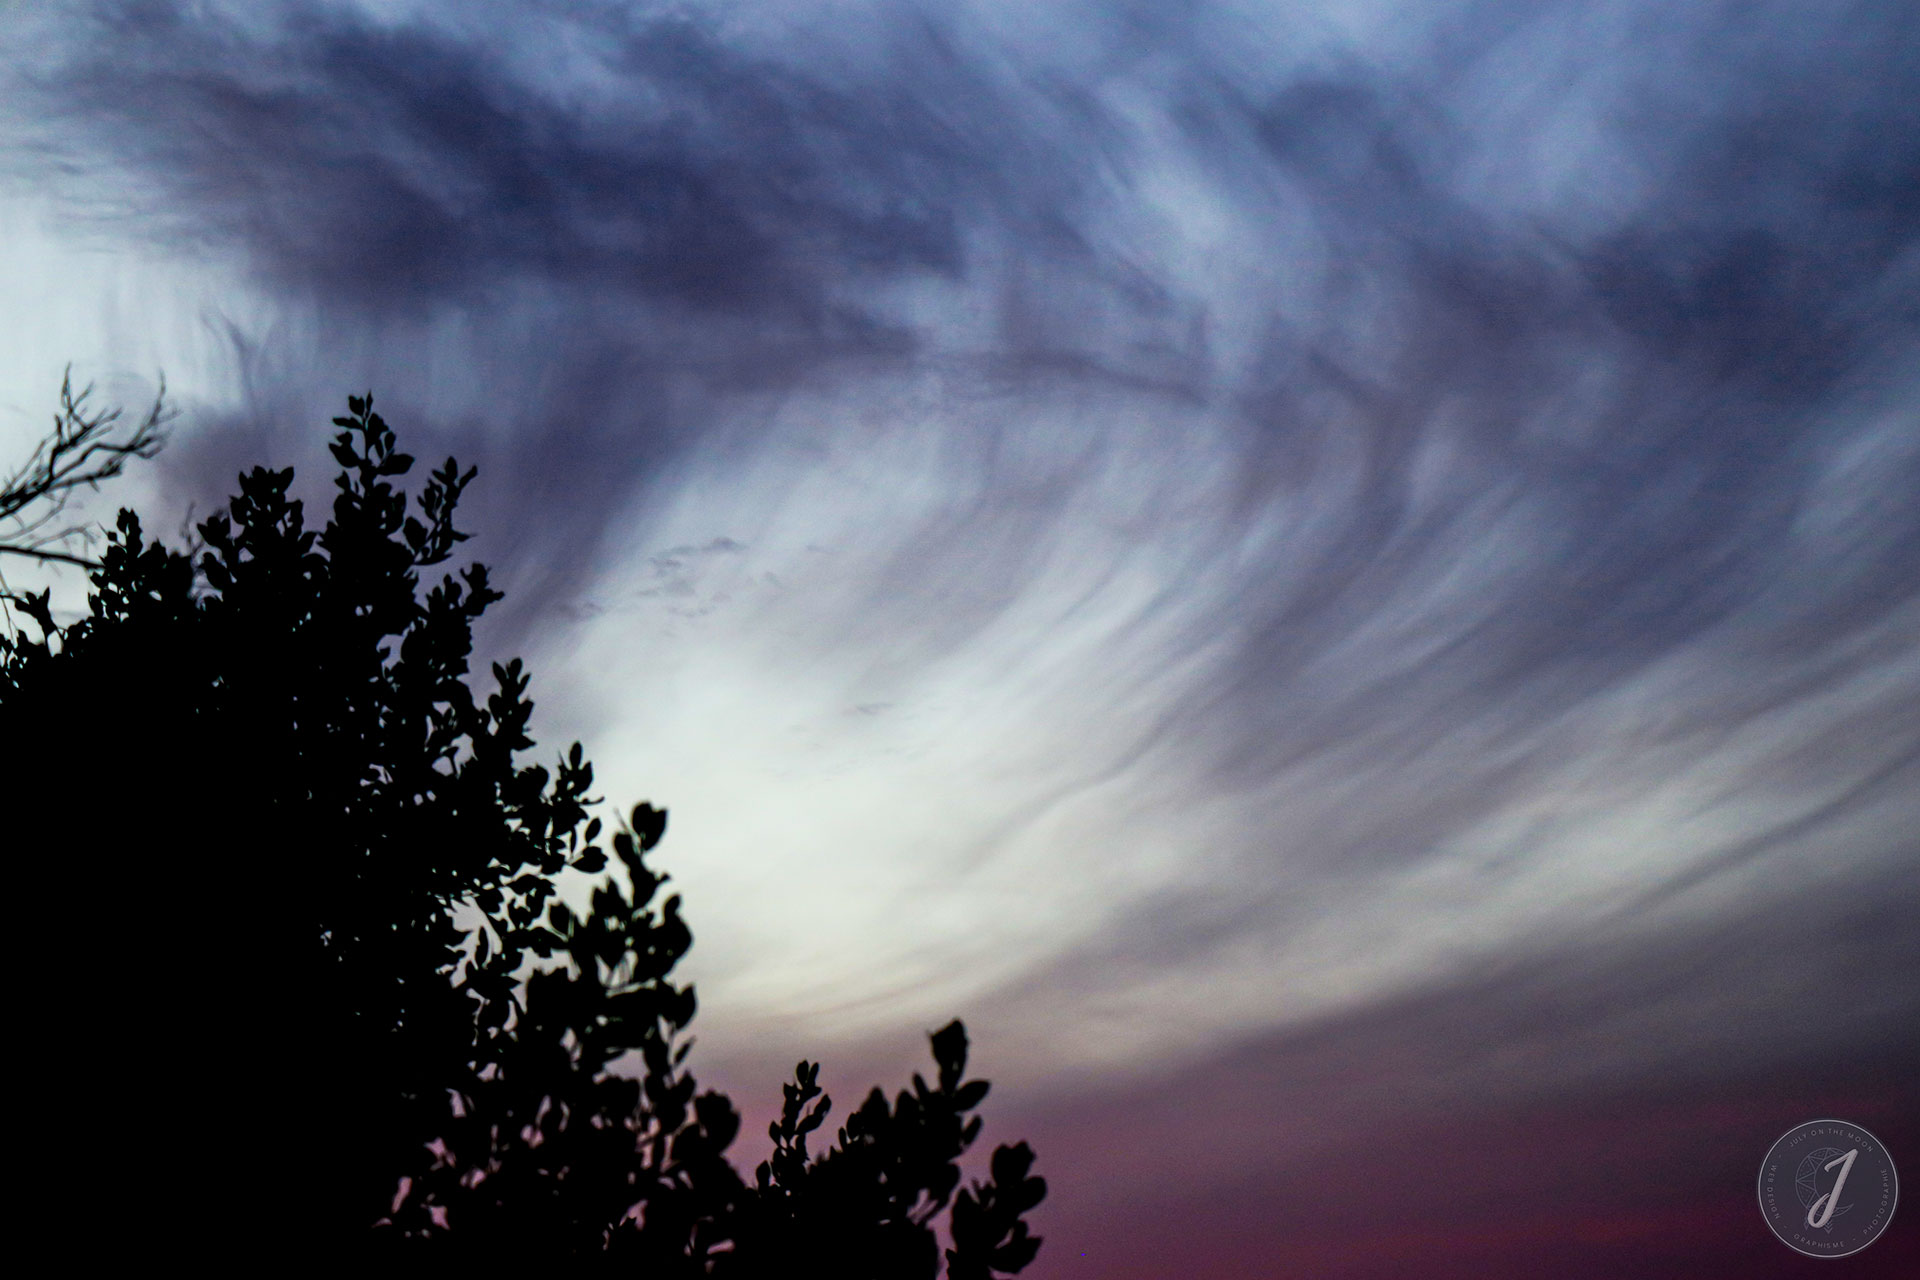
(305, 989)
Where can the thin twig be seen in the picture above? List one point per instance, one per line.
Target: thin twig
(82, 450)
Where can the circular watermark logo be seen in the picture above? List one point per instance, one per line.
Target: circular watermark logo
(1827, 1188)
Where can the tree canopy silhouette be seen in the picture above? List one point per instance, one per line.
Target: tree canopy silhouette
(305, 983)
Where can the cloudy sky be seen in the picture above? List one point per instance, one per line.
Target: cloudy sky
(1341, 580)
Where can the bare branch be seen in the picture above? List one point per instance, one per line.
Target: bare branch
(52, 557)
(83, 449)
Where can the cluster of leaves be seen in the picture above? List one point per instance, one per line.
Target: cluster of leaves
(362, 1017)
(870, 1202)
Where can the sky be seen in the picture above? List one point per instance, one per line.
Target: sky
(1340, 580)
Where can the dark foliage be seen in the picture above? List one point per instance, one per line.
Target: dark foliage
(300, 988)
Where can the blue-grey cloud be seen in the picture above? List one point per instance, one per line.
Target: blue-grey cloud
(1445, 478)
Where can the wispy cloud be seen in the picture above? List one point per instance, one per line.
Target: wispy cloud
(1158, 524)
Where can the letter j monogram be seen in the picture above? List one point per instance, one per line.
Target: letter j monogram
(1821, 1211)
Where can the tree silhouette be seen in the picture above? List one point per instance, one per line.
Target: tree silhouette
(309, 986)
